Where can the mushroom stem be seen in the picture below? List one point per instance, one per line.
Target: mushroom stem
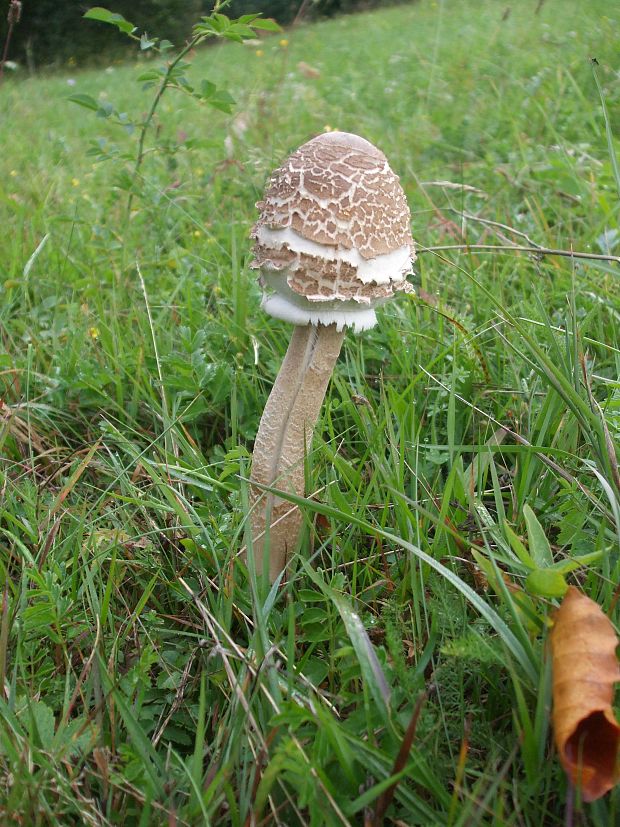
(284, 436)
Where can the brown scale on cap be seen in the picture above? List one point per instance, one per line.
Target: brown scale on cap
(338, 190)
(311, 284)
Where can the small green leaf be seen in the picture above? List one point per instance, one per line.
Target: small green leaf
(147, 42)
(518, 548)
(540, 550)
(43, 723)
(266, 25)
(246, 32)
(105, 110)
(151, 74)
(210, 25)
(314, 614)
(221, 20)
(546, 583)
(205, 28)
(106, 16)
(309, 596)
(223, 101)
(572, 563)
(86, 101)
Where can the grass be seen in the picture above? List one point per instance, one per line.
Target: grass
(146, 678)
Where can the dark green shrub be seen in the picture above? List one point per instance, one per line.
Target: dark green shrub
(284, 11)
(53, 31)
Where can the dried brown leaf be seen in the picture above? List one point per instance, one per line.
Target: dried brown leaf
(585, 669)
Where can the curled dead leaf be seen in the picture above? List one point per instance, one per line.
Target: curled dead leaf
(585, 669)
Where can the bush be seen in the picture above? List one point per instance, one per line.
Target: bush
(284, 11)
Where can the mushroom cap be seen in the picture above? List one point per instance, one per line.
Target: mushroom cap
(333, 239)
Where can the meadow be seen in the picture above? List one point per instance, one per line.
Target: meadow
(463, 471)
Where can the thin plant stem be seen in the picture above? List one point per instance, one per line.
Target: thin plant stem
(13, 17)
(219, 4)
(515, 248)
(5, 52)
(151, 113)
(608, 133)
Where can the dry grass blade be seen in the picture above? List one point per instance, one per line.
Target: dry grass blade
(21, 431)
(384, 800)
(62, 496)
(4, 636)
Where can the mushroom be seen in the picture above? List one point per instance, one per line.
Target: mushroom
(332, 242)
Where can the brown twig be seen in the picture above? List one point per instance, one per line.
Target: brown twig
(301, 12)
(13, 17)
(497, 225)
(514, 248)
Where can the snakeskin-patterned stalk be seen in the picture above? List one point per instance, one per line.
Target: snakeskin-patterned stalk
(285, 437)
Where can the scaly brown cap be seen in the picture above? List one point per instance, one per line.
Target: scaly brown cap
(334, 231)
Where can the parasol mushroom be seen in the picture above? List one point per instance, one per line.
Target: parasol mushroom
(332, 242)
